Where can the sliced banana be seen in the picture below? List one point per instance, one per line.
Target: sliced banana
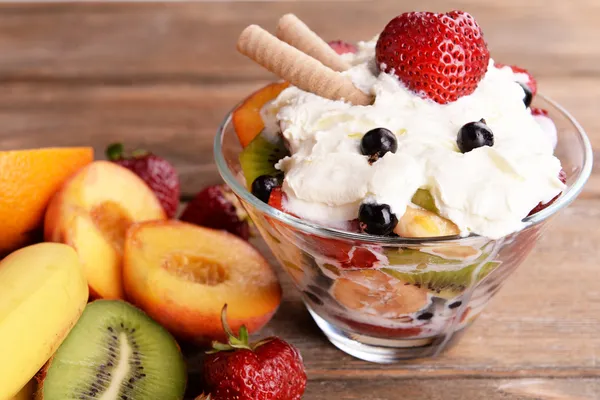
(418, 222)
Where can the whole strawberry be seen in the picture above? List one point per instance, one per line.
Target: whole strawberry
(439, 56)
(159, 174)
(268, 370)
(218, 208)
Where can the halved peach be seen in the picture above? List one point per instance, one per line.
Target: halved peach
(182, 275)
(373, 292)
(92, 212)
(246, 118)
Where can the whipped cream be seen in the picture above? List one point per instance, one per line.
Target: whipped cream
(487, 191)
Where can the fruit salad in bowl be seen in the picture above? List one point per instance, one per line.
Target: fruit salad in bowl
(400, 180)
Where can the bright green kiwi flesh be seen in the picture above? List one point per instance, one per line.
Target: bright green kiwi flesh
(115, 352)
(259, 158)
(442, 283)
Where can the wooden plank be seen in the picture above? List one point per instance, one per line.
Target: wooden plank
(194, 42)
(456, 389)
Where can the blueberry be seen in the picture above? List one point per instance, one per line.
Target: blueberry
(377, 142)
(263, 185)
(474, 135)
(528, 95)
(456, 304)
(426, 316)
(376, 219)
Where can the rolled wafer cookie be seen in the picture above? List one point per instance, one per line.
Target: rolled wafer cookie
(298, 68)
(294, 32)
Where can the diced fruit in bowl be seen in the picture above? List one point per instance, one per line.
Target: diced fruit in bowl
(422, 223)
(43, 293)
(115, 352)
(159, 174)
(259, 157)
(217, 207)
(92, 212)
(29, 179)
(182, 275)
(373, 292)
(247, 120)
(382, 331)
(270, 369)
(447, 283)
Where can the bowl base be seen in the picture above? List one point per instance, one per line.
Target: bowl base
(384, 351)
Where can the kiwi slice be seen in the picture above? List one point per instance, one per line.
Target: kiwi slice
(115, 351)
(446, 284)
(409, 256)
(260, 156)
(424, 199)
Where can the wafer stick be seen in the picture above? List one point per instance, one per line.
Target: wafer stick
(296, 67)
(294, 32)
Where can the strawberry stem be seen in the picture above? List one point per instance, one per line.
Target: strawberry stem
(115, 151)
(233, 341)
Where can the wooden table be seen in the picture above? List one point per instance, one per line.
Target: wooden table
(162, 76)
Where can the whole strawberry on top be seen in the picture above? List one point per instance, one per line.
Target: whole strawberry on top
(217, 207)
(439, 56)
(268, 370)
(159, 174)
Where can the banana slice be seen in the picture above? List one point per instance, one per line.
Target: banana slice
(417, 223)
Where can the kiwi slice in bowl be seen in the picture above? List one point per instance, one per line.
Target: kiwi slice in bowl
(424, 199)
(444, 283)
(408, 256)
(260, 156)
(115, 352)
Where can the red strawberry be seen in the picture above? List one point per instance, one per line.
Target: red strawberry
(342, 47)
(159, 174)
(343, 252)
(529, 80)
(538, 111)
(348, 255)
(439, 56)
(276, 198)
(268, 370)
(218, 208)
(563, 178)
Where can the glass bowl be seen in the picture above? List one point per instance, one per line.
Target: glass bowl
(384, 299)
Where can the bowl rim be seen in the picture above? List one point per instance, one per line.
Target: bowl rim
(309, 227)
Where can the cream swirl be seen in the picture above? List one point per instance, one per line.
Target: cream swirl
(487, 191)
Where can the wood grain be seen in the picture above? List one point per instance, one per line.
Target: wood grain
(163, 75)
(194, 41)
